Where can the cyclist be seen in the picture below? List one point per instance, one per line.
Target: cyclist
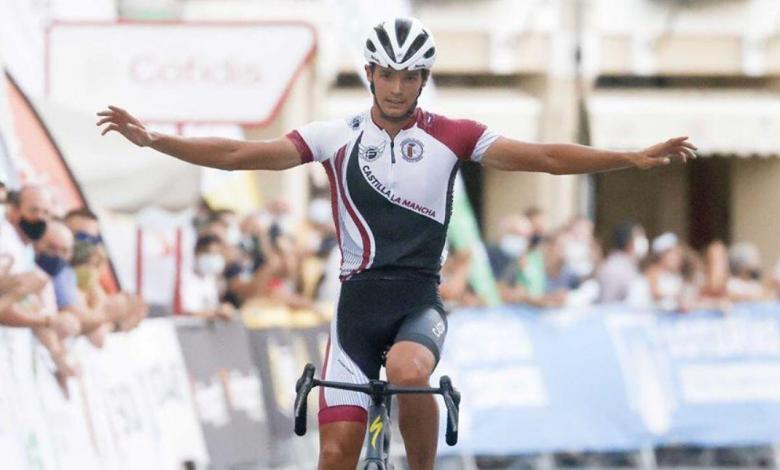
(391, 171)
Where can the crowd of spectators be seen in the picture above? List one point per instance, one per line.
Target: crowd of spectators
(55, 277)
(266, 256)
(295, 263)
(569, 267)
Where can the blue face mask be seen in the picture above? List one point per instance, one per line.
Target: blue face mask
(52, 265)
(87, 238)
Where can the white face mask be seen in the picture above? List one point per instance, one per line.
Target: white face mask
(234, 235)
(578, 258)
(641, 247)
(210, 264)
(513, 245)
(2, 211)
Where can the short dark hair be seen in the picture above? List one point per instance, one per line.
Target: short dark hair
(13, 198)
(204, 241)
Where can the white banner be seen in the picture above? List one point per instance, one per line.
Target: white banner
(205, 73)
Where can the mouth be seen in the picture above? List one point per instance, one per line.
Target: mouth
(395, 104)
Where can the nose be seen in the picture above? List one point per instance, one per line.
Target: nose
(395, 85)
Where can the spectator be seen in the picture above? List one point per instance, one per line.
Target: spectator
(745, 281)
(249, 267)
(582, 252)
(717, 271)
(514, 234)
(229, 219)
(90, 264)
(525, 280)
(320, 264)
(538, 224)
(560, 277)
(201, 296)
(662, 283)
(621, 267)
(96, 318)
(454, 289)
(24, 222)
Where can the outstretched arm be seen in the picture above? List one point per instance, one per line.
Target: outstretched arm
(214, 152)
(569, 159)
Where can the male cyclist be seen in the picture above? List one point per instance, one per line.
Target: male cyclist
(391, 171)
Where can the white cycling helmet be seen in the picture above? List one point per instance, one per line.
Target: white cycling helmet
(401, 44)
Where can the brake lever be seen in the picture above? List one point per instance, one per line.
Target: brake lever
(452, 402)
(302, 388)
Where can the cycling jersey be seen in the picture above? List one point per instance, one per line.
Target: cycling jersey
(392, 197)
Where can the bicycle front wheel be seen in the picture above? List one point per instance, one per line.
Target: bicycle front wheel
(374, 466)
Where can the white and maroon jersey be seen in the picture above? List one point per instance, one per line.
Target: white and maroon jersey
(392, 198)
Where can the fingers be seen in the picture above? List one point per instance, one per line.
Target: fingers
(112, 127)
(103, 121)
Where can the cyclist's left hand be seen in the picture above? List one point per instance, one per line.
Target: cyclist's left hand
(675, 149)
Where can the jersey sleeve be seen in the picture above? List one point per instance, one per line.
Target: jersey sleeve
(483, 143)
(468, 139)
(313, 141)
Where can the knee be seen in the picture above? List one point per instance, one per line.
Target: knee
(335, 455)
(408, 371)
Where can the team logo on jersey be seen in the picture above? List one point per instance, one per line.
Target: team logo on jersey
(355, 121)
(412, 150)
(439, 329)
(370, 153)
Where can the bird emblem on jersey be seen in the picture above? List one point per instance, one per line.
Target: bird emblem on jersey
(370, 153)
(412, 150)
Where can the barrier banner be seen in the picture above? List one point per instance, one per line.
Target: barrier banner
(23, 436)
(282, 341)
(612, 379)
(228, 392)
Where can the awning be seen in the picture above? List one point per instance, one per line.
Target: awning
(726, 122)
(508, 112)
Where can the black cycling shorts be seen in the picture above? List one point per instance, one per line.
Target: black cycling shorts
(372, 315)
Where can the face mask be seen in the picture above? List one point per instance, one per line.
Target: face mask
(234, 236)
(210, 264)
(641, 247)
(2, 210)
(513, 245)
(87, 238)
(284, 223)
(32, 230)
(53, 265)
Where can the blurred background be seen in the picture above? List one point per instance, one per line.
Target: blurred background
(625, 319)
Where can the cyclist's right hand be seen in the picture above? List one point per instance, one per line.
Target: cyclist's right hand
(126, 124)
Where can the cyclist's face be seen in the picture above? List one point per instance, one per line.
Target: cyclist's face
(395, 90)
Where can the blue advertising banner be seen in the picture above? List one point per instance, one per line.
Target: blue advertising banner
(614, 379)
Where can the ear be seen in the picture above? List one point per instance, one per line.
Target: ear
(369, 72)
